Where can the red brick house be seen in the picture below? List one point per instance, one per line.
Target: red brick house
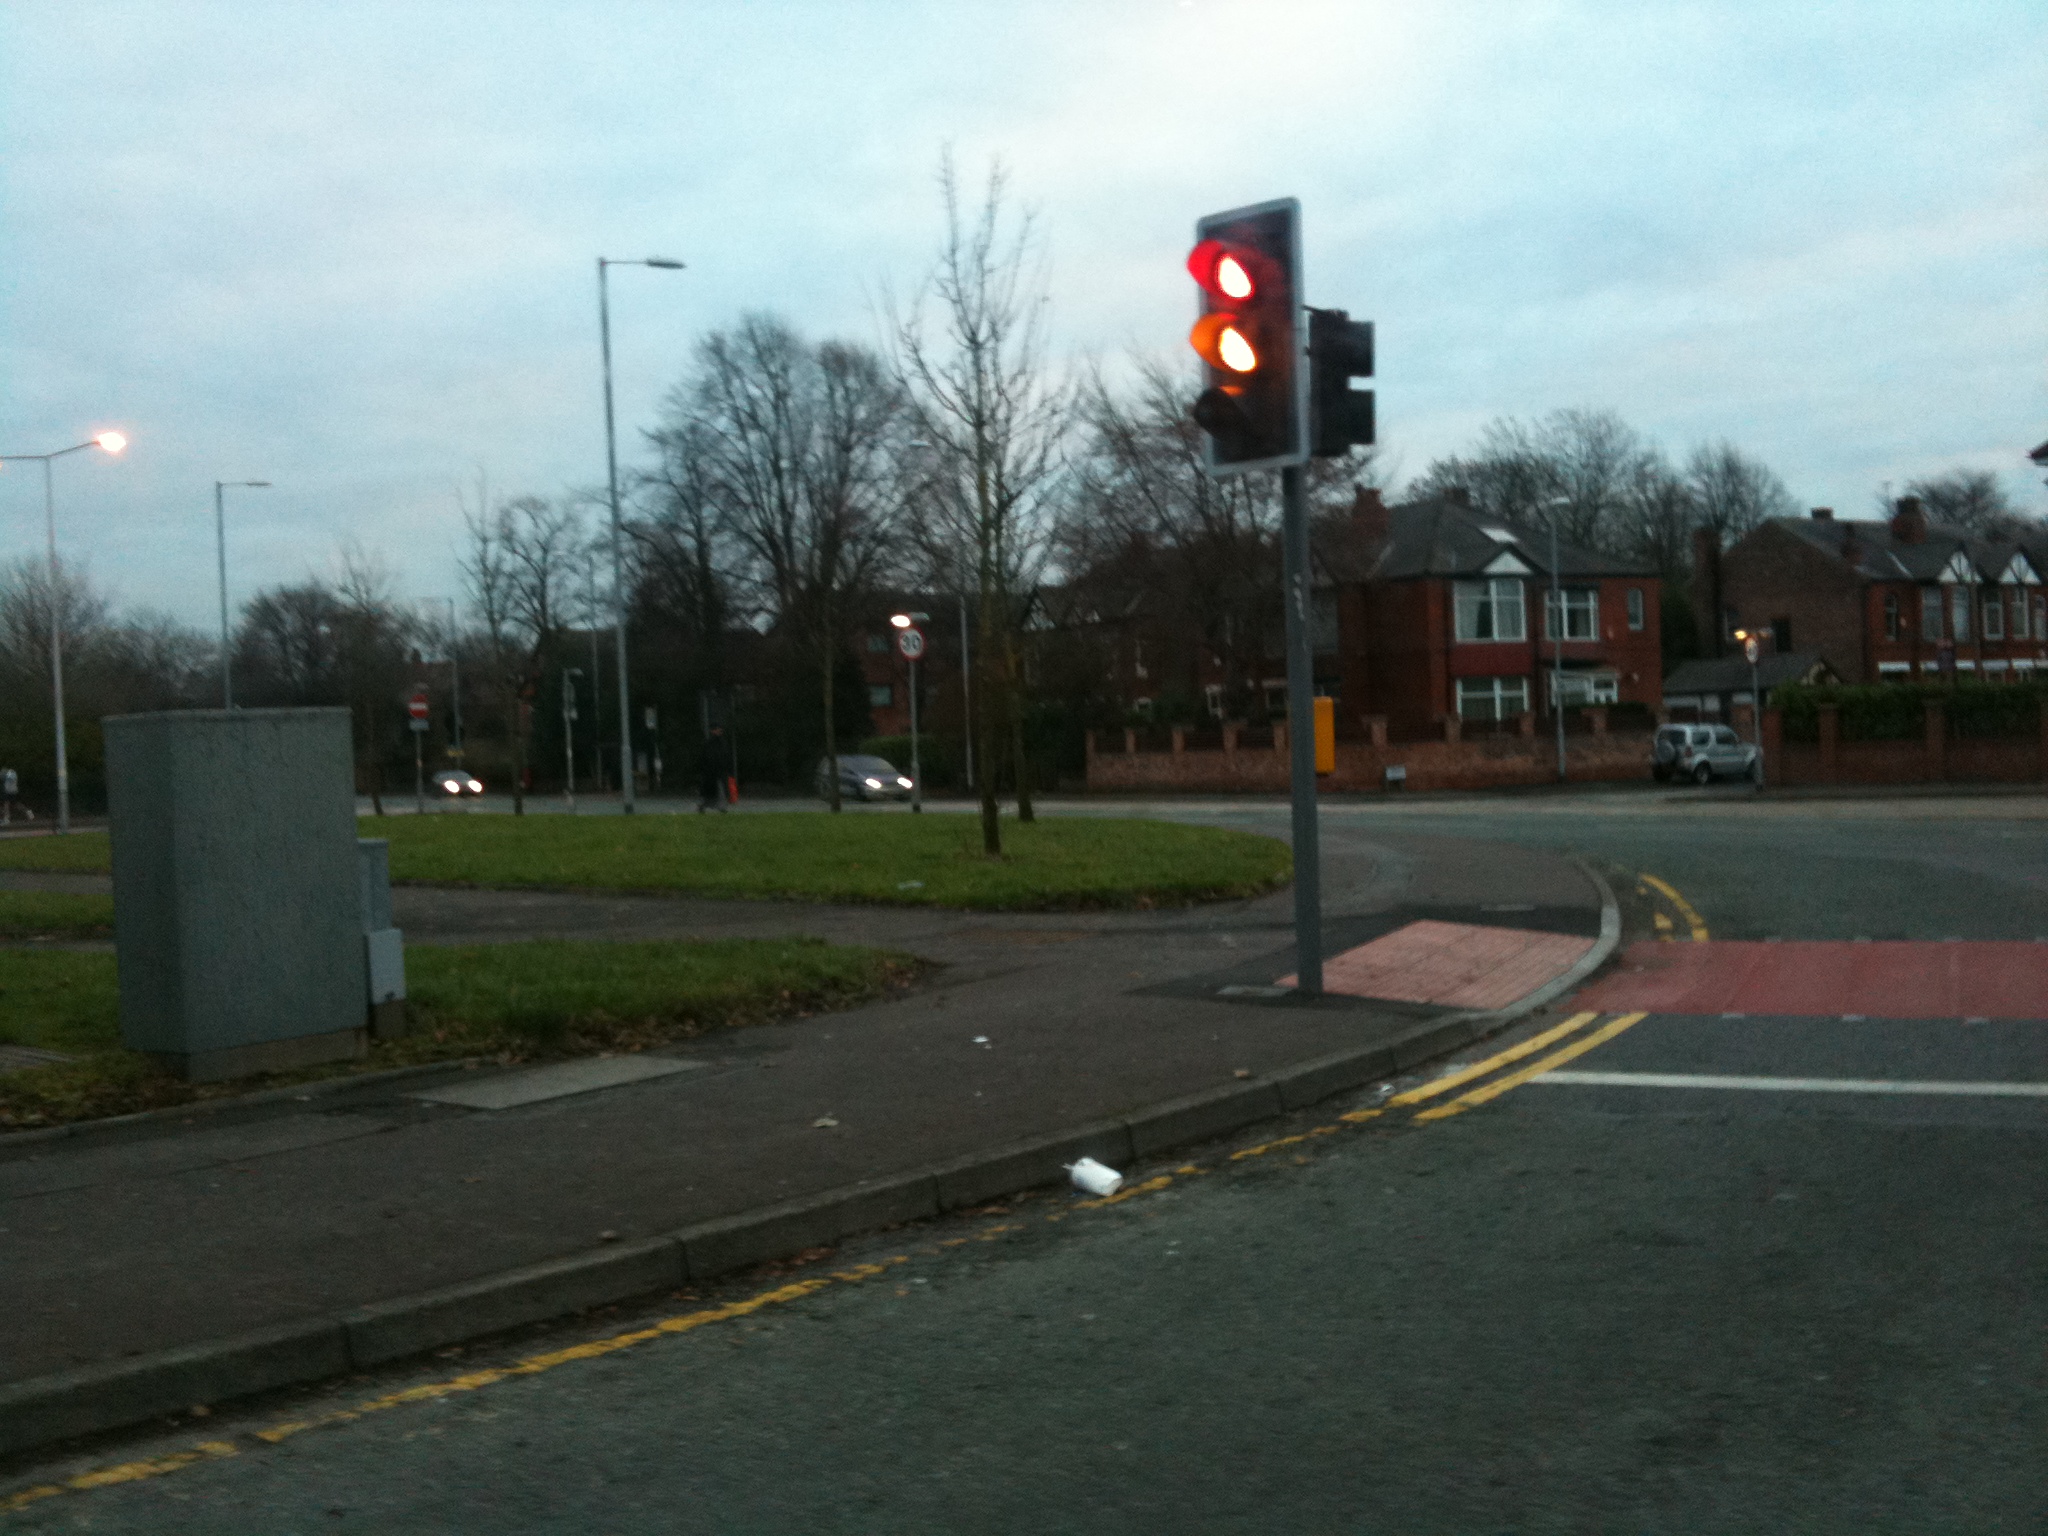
(1431, 610)
(1884, 601)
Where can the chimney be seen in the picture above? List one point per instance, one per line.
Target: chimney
(1369, 514)
(1458, 495)
(1823, 514)
(1909, 522)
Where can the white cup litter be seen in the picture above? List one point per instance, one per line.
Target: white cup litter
(1092, 1178)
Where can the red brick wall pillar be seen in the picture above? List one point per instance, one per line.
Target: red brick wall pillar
(1937, 742)
(1091, 746)
(1597, 715)
(1830, 743)
(1773, 740)
(1525, 722)
(1130, 742)
(1280, 738)
(1376, 725)
(1180, 740)
(1452, 725)
(1230, 737)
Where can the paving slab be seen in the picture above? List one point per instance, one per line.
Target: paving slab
(558, 1081)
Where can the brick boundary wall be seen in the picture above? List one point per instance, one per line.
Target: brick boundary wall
(1490, 762)
(1939, 756)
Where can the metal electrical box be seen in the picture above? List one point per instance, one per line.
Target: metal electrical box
(238, 891)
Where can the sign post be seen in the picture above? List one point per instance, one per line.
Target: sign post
(416, 712)
(910, 645)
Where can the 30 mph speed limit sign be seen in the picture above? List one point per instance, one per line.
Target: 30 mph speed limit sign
(910, 643)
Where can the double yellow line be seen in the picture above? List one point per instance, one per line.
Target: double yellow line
(1514, 1053)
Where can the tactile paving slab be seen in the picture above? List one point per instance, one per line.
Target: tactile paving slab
(1458, 965)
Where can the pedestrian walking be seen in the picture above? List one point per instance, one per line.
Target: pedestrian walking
(715, 773)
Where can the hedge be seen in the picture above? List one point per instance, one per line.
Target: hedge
(1898, 711)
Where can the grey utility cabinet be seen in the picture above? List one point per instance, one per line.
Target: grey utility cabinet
(238, 889)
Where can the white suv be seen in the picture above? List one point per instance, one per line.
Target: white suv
(1701, 753)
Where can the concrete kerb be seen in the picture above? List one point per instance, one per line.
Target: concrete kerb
(64, 1405)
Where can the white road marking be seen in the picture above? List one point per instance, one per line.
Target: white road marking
(1792, 1084)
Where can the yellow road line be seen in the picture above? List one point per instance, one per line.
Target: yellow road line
(1501, 1085)
(1452, 1080)
(1685, 908)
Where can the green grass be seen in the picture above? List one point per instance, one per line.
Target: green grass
(931, 860)
(512, 1002)
(85, 853)
(55, 915)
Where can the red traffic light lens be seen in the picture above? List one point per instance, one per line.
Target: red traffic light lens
(1223, 342)
(1224, 271)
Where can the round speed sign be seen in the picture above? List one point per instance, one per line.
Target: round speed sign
(910, 643)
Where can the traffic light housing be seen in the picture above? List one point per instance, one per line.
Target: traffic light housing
(1339, 352)
(1254, 406)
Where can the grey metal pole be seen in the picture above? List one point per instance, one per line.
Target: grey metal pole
(454, 677)
(916, 773)
(597, 724)
(1756, 720)
(419, 773)
(1301, 737)
(966, 695)
(611, 460)
(1557, 647)
(57, 651)
(220, 548)
(569, 738)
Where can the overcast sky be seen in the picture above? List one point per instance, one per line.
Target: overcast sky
(348, 248)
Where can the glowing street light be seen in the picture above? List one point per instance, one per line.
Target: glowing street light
(108, 442)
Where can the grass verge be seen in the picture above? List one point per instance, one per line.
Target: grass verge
(31, 915)
(933, 860)
(513, 1002)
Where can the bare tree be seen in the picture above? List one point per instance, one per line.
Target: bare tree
(1969, 499)
(1733, 493)
(519, 567)
(981, 396)
(791, 457)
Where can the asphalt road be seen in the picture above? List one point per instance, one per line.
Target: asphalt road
(1760, 1271)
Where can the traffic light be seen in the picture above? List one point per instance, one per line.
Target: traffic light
(1339, 351)
(1255, 406)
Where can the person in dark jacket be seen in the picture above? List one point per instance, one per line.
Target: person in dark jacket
(715, 772)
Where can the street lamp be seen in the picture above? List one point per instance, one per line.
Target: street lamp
(1751, 650)
(220, 547)
(569, 735)
(906, 625)
(611, 459)
(1554, 617)
(109, 442)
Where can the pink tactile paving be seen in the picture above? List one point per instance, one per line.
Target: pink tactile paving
(1457, 964)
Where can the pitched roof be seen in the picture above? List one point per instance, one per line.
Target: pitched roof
(1730, 674)
(1877, 554)
(1439, 537)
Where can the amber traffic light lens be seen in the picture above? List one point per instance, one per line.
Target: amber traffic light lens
(1222, 341)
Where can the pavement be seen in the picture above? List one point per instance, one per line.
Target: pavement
(190, 1257)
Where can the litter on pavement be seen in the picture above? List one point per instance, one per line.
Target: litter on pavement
(1093, 1178)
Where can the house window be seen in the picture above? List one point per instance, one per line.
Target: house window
(1575, 689)
(1930, 613)
(1212, 696)
(1892, 630)
(1490, 609)
(2041, 618)
(878, 645)
(2019, 616)
(1323, 623)
(1994, 615)
(1781, 635)
(1959, 612)
(1581, 613)
(1636, 617)
(881, 695)
(1492, 698)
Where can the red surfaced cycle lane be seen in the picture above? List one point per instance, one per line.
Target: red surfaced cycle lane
(1879, 979)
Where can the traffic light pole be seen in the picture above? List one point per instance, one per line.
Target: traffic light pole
(1301, 735)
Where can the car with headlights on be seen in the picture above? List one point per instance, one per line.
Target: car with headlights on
(862, 777)
(456, 784)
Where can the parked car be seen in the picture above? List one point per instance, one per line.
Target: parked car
(1701, 753)
(862, 778)
(455, 783)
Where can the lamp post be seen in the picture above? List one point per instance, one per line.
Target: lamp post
(1751, 650)
(569, 735)
(611, 461)
(454, 674)
(906, 628)
(111, 442)
(220, 549)
(1554, 617)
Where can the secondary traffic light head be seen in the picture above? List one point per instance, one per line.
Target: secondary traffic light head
(1339, 353)
(1255, 403)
